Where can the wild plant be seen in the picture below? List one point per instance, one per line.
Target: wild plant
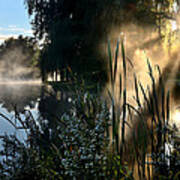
(148, 120)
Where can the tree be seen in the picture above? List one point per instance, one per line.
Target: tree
(19, 58)
(72, 29)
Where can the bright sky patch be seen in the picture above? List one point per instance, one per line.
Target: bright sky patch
(14, 20)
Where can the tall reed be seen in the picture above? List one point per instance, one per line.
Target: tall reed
(149, 118)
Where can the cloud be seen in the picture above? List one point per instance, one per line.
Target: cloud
(13, 31)
(14, 28)
(4, 37)
(1, 41)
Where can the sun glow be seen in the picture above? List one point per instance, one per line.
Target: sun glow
(21, 82)
(174, 25)
(176, 118)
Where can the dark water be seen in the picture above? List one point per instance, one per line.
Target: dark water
(39, 99)
(17, 97)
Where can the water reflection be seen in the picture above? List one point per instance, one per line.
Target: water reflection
(41, 100)
(19, 96)
(54, 103)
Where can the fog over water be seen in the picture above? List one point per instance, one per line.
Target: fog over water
(41, 100)
(19, 96)
(20, 84)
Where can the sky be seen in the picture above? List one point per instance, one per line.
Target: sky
(14, 19)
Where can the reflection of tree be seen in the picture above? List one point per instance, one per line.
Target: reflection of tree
(54, 103)
(19, 96)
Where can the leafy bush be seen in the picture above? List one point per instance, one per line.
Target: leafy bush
(76, 147)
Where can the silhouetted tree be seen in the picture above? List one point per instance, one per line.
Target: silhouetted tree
(73, 28)
(70, 29)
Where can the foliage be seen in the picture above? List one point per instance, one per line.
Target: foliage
(73, 30)
(71, 33)
(151, 133)
(19, 58)
(76, 147)
(86, 143)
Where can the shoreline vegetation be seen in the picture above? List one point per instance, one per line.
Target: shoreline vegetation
(105, 119)
(90, 141)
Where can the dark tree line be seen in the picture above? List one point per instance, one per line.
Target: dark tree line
(71, 30)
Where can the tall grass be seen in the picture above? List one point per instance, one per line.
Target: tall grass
(149, 120)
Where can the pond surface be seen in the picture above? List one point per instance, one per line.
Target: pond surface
(39, 99)
(17, 96)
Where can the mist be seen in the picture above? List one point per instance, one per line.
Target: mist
(16, 62)
(143, 44)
